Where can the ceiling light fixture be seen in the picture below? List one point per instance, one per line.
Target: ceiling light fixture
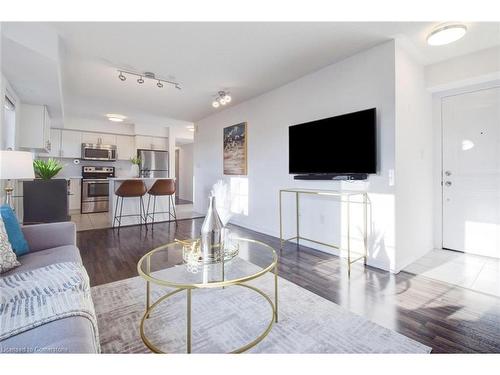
(445, 34)
(115, 117)
(160, 82)
(222, 98)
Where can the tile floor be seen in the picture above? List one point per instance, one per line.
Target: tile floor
(466, 270)
(101, 219)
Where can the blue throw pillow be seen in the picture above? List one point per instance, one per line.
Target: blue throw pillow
(14, 232)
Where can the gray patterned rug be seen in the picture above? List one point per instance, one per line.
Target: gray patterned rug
(225, 319)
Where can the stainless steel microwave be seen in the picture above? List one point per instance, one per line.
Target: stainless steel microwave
(101, 152)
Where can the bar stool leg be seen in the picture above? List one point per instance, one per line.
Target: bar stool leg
(116, 210)
(173, 206)
(143, 214)
(147, 210)
(120, 220)
(154, 210)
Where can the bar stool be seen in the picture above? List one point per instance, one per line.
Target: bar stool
(130, 189)
(162, 187)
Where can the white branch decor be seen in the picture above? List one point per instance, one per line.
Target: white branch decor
(222, 194)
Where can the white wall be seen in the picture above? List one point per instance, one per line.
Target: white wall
(362, 81)
(474, 68)
(414, 161)
(186, 171)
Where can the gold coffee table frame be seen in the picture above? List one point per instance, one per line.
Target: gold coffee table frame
(179, 287)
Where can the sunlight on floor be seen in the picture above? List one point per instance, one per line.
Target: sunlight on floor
(474, 272)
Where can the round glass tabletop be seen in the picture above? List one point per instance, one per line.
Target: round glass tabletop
(170, 265)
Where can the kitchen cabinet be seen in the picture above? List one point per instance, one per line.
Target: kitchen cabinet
(34, 128)
(74, 191)
(151, 143)
(125, 147)
(55, 143)
(71, 144)
(99, 138)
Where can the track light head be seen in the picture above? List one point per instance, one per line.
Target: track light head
(122, 77)
(140, 80)
(159, 84)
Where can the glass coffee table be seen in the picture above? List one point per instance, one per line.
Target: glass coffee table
(169, 266)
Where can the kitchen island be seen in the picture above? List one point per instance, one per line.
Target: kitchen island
(131, 206)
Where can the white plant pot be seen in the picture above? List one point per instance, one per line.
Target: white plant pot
(134, 170)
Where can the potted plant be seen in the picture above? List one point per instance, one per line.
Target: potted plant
(45, 199)
(134, 169)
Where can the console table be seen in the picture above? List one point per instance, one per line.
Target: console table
(343, 196)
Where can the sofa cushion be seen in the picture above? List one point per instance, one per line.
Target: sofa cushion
(43, 258)
(8, 259)
(69, 335)
(16, 237)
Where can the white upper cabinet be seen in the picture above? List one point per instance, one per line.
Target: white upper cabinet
(55, 143)
(125, 146)
(151, 143)
(71, 144)
(99, 138)
(34, 132)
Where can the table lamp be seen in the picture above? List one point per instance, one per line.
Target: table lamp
(15, 165)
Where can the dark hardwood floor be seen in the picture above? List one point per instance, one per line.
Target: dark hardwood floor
(448, 318)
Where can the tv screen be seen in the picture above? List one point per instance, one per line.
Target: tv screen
(337, 145)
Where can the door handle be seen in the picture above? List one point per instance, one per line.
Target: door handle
(447, 173)
(448, 183)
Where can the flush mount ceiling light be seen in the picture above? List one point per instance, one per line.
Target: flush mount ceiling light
(122, 76)
(115, 117)
(222, 98)
(446, 34)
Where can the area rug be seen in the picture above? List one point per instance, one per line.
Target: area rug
(225, 319)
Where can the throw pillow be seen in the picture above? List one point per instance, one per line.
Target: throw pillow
(14, 232)
(8, 259)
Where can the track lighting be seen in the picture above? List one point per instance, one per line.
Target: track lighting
(222, 98)
(122, 75)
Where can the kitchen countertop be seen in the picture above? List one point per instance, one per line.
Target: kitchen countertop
(139, 178)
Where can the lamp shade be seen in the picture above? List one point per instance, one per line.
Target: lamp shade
(16, 165)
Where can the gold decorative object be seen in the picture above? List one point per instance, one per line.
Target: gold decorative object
(188, 280)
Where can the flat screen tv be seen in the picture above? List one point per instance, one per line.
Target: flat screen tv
(339, 145)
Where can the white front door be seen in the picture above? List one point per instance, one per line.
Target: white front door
(471, 172)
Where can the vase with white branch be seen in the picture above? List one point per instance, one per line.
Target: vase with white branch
(222, 193)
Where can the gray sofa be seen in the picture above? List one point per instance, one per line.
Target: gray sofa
(49, 244)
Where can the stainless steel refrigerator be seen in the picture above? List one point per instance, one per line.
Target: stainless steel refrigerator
(153, 163)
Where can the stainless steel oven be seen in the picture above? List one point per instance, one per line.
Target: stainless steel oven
(91, 151)
(95, 189)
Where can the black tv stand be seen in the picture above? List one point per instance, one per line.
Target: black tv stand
(334, 177)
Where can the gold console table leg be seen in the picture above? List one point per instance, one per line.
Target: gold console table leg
(276, 291)
(297, 206)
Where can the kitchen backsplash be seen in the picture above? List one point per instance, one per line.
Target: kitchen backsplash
(122, 167)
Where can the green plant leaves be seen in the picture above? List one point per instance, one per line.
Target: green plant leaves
(46, 169)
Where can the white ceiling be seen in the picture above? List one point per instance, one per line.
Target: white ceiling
(247, 59)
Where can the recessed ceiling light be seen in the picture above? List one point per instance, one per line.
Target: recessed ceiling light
(115, 117)
(446, 34)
